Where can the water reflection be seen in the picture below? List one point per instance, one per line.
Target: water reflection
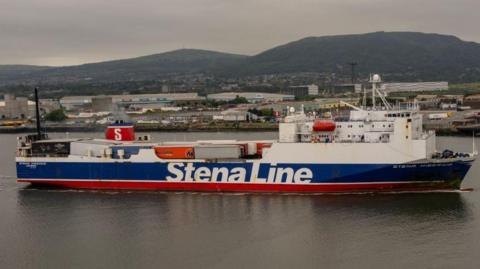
(53, 228)
(155, 226)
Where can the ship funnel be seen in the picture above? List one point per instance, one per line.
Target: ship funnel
(120, 131)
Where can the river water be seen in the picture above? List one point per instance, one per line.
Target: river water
(46, 228)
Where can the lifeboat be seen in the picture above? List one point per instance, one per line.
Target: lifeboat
(323, 126)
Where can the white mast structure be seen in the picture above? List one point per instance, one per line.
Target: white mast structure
(375, 80)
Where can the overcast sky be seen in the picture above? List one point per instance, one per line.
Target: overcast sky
(67, 32)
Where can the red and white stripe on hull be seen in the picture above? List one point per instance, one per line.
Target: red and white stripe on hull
(244, 187)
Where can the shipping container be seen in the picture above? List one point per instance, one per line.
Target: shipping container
(261, 146)
(175, 152)
(217, 151)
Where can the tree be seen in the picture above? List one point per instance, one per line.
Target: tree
(267, 112)
(239, 100)
(56, 115)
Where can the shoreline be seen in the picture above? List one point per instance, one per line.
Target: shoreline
(93, 129)
(184, 128)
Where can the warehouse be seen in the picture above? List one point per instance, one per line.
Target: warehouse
(252, 97)
(85, 102)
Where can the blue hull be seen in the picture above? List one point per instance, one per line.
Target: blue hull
(443, 175)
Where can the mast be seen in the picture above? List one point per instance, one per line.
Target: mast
(352, 66)
(375, 79)
(37, 114)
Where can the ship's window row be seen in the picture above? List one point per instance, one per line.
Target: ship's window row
(362, 126)
(397, 115)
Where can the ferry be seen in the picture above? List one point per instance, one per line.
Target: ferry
(382, 148)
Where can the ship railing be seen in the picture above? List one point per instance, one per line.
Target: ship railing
(37, 155)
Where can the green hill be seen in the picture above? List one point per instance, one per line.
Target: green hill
(398, 56)
(9, 71)
(178, 62)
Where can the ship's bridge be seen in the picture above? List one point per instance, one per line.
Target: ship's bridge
(363, 126)
(380, 115)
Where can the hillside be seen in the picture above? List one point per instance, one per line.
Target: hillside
(398, 56)
(178, 62)
(12, 71)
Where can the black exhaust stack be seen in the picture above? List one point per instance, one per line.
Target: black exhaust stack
(37, 115)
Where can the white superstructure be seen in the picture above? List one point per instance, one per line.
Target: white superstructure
(380, 134)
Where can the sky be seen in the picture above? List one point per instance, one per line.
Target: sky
(70, 32)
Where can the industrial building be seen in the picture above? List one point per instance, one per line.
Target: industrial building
(472, 101)
(102, 103)
(347, 87)
(48, 105)
(16, 107)
(336, 103)
(433, 102)
(410, 87)
(85, 102)
(235, 115)
(414, 86)
(252, 97)
(302, 90)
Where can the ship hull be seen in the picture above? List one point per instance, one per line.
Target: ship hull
(247, 177)
(242, 187)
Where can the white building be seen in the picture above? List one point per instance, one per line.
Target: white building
(414, 86)
(16, 107)
(234, 115)
(75, 102)
(252, 97)
(312, 89)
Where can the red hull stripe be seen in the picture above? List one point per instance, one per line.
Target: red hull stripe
(241, 187)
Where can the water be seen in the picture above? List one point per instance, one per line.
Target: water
(41, 228)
